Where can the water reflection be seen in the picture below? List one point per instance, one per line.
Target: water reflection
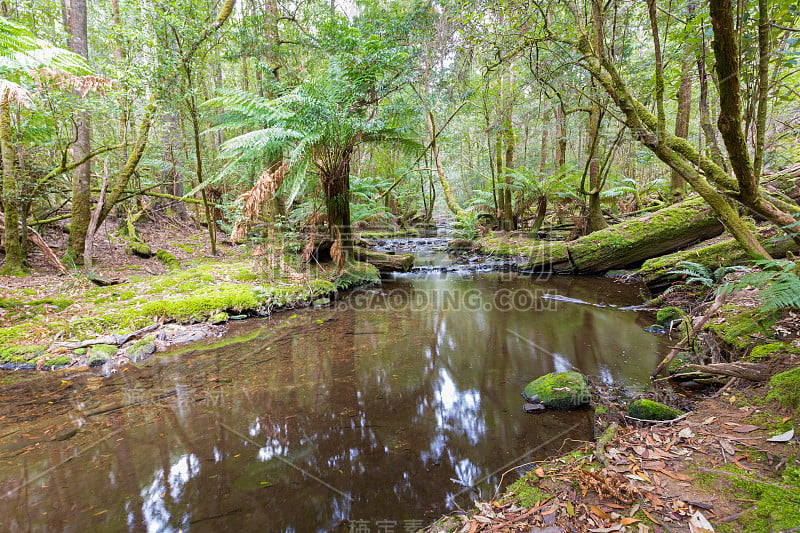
(300, 423)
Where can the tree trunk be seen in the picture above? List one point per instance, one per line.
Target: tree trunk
(677, 185)
(450, 200)
(545, 132)
(596, 220)
(81, 177)
(561, 136)
(726, 53)
(336, 188)
(510, 145)
(13, 265)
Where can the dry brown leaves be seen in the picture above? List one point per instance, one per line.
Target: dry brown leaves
(640, 481)
(264, 189)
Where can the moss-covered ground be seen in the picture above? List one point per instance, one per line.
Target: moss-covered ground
(237, 285)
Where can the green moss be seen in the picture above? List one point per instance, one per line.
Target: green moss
(219, 318)
(666, 316)
(138, 248)
(526, 491)
(767, 350)
(168, 260)
(245, 275)
(600, 410)
(785, 388)
(9, 303)
(62, 360)
(650, 410)
(559, 390)
(185, 247)
(738, 327)
(224, 297)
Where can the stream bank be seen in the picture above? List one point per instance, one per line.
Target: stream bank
(732, 464)
(128, 316)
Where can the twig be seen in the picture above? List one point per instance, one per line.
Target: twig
(658, 422)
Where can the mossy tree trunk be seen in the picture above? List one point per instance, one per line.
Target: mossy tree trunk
(596, 220)
(677, 153)
(449, 198)
(632, 241)
(13, 264)
(677, 185)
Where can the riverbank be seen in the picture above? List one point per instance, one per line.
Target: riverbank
(126, 314)
(731, 464)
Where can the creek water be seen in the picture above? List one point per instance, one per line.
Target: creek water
(381, 412)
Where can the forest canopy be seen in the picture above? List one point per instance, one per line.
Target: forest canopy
(240, 116)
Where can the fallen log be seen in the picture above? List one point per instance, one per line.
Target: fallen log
(657, 272)
(751, 371)
(384, 262)
(630, 242)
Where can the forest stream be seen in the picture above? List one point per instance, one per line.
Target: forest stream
(392, 405)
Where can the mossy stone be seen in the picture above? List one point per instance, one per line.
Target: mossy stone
(139, 249)
(101, 353)
(141, 348)
(668, 315)
(219, 318)
(650, 410)
(460, 245)
(322, 302)
(558, 390)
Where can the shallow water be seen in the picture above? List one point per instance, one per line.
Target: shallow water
(387, 409)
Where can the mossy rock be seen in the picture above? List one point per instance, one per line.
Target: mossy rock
(785, 388)
(650, 410)
(322, 302)
(139, 249)
(101, 353)
(219, 318)
(558, 390)
(141, 348)
(460, 245)
(168, 260)
(59, 361)
(669, 315)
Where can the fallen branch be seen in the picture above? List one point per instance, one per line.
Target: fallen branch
(743, 370)
(600, 449)
(718, 302)
(658, 422)
(117, 340)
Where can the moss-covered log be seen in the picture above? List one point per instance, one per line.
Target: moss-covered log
(657, 272)
(655, 234)
(384, 262)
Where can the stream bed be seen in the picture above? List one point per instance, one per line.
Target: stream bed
(386, 409)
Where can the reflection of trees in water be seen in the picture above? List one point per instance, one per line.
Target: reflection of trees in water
(387, 406)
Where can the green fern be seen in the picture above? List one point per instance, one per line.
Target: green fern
(778, 280)
(695, 273)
